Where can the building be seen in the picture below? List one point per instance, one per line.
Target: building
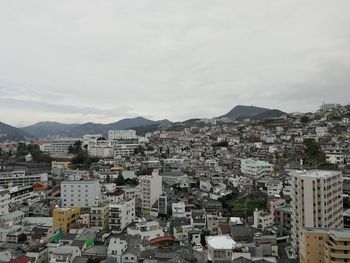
(122, 135)
(324, 245)
(121, 215)
(4, 201)
(20, 178)
(178, 209)
(61, 147)
(146, 230)
(220, 248)
(65, 218)
(99, 215)
(151, 190)
(283, 216)
(80, 193)
(256, 168)
(316, 201)
(263, 219)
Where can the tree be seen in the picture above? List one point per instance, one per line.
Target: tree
(305, 119)
(120, 180)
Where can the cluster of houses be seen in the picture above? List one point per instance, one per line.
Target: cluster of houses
(216, 190)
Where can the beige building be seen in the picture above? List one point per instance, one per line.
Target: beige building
(316, 201)
(324, 245)
(99, 216)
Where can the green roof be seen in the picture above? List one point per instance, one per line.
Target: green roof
(129, 174)
(287, 208)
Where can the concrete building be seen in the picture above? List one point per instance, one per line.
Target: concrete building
(61, 147)
(220, 248)
(99, 215)
(324, 245)
(121, 215)
(65, 218)
(20, 178)
(178, 209)
(151, 190)
(316, 201)
(263, 219)
(4, 201)
(121, 134)
(146, 230)
(255, 168)
(80, 193)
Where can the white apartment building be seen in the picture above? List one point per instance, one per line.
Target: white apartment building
(121, 134)
(101, 151)
(45, 147)
(255, 168)
(316, 200)
(61, 147)
(80, 193)
(151, 190)
(4, 201)
(178, 209)
(20, 178)
(121, 215)
(90, 139)
(146, 230)
(123, 150)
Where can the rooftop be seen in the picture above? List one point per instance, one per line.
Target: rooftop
(221, 242)
(314, 173)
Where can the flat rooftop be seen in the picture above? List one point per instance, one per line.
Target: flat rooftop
(315, 173)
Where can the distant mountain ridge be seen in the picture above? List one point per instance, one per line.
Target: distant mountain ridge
(52, 129)
(8, 132)
(252, 112)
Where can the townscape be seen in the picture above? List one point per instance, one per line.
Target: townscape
(254, 185)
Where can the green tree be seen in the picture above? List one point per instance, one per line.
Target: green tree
(120, 180)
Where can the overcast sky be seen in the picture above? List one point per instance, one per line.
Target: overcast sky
(83, 60)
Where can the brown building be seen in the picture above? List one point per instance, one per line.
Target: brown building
(324, 245)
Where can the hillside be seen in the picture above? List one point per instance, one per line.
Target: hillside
(53, 129)
(10, 133)
(252, 112)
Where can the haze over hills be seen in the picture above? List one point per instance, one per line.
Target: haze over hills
(49, 129)
(257, 113)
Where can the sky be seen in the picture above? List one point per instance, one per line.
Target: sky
(101, 61)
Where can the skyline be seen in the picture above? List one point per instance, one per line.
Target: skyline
(81, 61)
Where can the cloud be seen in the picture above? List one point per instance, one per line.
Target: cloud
(175, 60)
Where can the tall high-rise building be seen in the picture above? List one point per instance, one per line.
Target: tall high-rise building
(151, 190)
(316, 201)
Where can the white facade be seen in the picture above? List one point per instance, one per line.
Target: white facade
(80, 193)
(123, 150)
(121, 215)
(146, 230)
(116, 248)
(263, 219)
(121, 134)
(255, 168)
(61, 147)
(4, 201)
(316, 200)
(178, 209)
(274, 188)
(151, 190)
(20, 178)
(335, 158)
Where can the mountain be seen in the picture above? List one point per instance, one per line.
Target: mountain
(241, 112)
(53, 129)
(269, 115)
(252, 112)
(10, 133)
(49, 129)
